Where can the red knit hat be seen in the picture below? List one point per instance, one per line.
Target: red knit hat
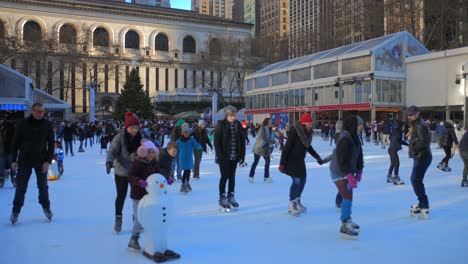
(131, 120)
(306, 119)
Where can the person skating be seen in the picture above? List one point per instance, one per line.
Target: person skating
(166, 158)
(419, 150)
(144, 164)
(463, 151)
(447, 140)
(187, 145)
(262, 149)
(292, 161)
(124, 144)
(346, 170)
(396, 140)
(202, 138)
(229, 143)
(32, 148)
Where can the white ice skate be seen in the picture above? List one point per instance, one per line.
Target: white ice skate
(419, 213)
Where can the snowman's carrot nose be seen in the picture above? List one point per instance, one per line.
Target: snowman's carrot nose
(161, 185)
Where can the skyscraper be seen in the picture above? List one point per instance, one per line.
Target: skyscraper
(274, 18)
(252, 14)
(217, 8)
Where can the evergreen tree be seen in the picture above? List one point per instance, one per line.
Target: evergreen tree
(134, 99)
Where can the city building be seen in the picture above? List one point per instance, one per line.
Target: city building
(68, 46)
(274, 18)
(367, 77)
(217, 8)
(401, 15)
(251, 12)
(318, 25)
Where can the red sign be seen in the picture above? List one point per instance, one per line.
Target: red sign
(361, 106)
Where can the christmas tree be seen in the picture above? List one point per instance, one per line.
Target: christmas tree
(133, 99)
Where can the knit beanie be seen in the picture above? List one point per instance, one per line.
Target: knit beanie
(146, 145)
(201, 123)
(185, 129)
(306, 119)
(179, 122)
(230, 110)
(131, 120)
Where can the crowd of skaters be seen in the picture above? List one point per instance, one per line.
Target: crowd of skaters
(136, 151)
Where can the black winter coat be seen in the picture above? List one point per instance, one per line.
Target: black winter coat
(448, 136)
(202, 138)
(67, 133)
(294, 152)
(396, 140)
(222, 140)
(420, 142)
(165, 162)
(35, 142)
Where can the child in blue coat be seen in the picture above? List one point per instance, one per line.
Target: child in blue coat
(187, 144)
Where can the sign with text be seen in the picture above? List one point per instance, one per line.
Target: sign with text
(13, 107)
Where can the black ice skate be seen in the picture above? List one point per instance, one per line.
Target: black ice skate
(232, 201)
(133, 243)
(118, 224)
(48, 213)
(347, 232)
(398, 181)
(14, 217)
(420, 213)
(389, 178)
(187, 185)
(464, 183)
(156, 257)
(224, 204)
(169, 254)
(446, 168)
(440, 165)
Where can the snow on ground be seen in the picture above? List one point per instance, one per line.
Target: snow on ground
(260, 232)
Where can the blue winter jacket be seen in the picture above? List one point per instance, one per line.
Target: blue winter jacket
(185, 153)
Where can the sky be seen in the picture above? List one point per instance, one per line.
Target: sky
(181, 4)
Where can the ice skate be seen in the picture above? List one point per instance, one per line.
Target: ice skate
(14, 217)
(267, 180)
(420, 213)
(300, 207)
(292, 209)
(243, 164)
(464, 183)
(390, 178)
(251, 179)
(133, 243)
(440, 165)
(446, 168)
(187, 185)
(353, 225)
(232, 201)
(183, 188)
(398, 181)
(347, 232)
(169, 254)
(118, 224)
(224, 204)
(48, 213)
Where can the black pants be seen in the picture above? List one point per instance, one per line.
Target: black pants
(417, 176)
(394, 162)
(228, 172)
(121, 185)
(198, 154)
(448, 155)
(255, 163)
(22, 179)
(186, 176)
(68, 145)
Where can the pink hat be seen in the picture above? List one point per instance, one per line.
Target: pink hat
(146, 144)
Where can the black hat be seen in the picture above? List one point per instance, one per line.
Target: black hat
(412, 110)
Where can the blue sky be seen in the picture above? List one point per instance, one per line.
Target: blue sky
(181, 4)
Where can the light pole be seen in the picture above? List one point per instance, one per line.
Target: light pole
(91, 87)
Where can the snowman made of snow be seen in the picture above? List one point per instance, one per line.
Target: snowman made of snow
(153, 216)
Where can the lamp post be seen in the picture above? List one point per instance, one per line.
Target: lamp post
(465, 112)
(91, 87)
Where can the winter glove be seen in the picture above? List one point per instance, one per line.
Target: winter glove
(327, 159)
(170, 181)
(320, 161)
(241, 161)
(358, 176)
(281, 167)
(142, 183)
(108, 167)
(351, 180)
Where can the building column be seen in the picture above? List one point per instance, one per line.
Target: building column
(447, 112)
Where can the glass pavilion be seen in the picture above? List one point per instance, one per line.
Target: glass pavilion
(366, 77)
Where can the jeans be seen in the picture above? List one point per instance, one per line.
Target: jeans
(464, 156)
(198, 154)
(394, 162)
(420, 166)
(22, 179)
(227, 169)
(121, 186)
(137, 228)
(297, 186)
(255, 163)
(68, 144)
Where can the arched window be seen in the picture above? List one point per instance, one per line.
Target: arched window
(100, 37)
(215, 47)
(67, 34)
(2, 30)
(161, 42)
(132, 40)
(32, 31)
(189, 45)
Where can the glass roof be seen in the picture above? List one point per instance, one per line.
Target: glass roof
(370, 44)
